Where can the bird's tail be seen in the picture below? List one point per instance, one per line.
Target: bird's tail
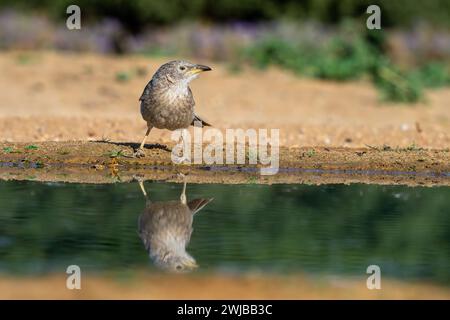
(197, 204)
(199, 122)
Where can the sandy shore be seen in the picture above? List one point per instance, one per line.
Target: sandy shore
(80, 109)
(145, 286)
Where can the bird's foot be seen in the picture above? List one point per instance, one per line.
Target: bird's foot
(139, 153)
(138, 177)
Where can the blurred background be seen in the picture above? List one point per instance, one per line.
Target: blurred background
(309, 67)
(325, 39)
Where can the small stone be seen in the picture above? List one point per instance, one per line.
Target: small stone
(404, 127)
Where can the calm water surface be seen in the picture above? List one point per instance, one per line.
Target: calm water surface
(328, 229)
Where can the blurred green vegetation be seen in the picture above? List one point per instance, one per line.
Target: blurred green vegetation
(352, 53)
(136, 14)
(395, 85)
(328, 229)
(343, 49)
(433, 74)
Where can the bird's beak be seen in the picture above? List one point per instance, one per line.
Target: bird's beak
(199, 68)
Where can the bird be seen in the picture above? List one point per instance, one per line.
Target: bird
(165, 229)
(167, 101)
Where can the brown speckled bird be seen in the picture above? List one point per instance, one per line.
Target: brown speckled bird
(167, 101)
(165, 228)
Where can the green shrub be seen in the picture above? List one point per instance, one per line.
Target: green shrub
(342, 58)
(395, 85)
(433, 75)
(272, 51)
(338, 59)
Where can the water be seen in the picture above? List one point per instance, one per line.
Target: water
(319, 230)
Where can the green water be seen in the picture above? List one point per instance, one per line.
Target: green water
(320, 230)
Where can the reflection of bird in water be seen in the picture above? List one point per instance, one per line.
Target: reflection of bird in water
(165, 228)
(167, 101)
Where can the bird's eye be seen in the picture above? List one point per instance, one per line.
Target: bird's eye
(182, 68)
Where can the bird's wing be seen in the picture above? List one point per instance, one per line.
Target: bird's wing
(197, 204)
(198, 120)
(149, 222)
(196, 117)
(146, 91)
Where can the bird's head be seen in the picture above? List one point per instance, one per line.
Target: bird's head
(176, 262)
(179, 71)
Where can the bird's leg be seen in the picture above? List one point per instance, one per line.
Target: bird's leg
(183, 137)
(183, 193)
(140, 152)
(141, 147)
(141, 184)
(184, 157)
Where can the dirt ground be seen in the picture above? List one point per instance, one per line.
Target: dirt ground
(68, 98)
(103, 162)
(253, 286)
(48, 96)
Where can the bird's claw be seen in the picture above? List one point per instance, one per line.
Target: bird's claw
(139, 153)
